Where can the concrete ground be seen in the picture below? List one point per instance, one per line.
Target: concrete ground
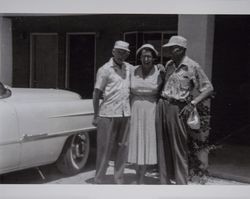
(150, 179)
(229, 165)
(225, 164)
(231, 161)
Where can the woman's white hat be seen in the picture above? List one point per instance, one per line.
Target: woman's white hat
(147, 46)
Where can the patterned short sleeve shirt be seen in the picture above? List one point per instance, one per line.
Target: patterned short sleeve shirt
(114, 81)
(181, 80)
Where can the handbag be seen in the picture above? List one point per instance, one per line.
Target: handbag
(193, 120)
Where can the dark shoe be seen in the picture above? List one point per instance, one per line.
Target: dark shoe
(97, 181)
(119, 181)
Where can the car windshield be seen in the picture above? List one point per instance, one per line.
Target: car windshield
(4, 92)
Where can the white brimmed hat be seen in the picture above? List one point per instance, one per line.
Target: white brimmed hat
(147, 46)
(176, 41)
(122, 45)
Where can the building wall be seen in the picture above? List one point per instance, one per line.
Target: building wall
(5, 51)
(199, 31)
(107, 27)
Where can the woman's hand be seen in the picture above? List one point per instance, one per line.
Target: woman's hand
(161, 68)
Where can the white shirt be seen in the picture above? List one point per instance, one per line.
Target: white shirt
(114, 81)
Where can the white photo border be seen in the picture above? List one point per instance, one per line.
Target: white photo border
(55, 7)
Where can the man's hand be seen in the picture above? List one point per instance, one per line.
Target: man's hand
(94, 121)
(187, 110)
(97, 94)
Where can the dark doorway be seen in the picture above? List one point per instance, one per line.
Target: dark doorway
(81, 63)
(231, 106)
(231, 79)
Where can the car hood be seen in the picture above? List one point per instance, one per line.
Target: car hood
(39, 94)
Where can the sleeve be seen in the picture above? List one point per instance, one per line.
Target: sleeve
(101, 79)
(131, 72)
(201, 80)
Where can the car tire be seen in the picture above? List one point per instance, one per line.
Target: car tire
(75, 154)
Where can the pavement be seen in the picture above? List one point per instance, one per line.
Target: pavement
(228, 165)
(231, 161)
(151, 178)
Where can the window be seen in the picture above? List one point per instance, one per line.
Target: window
(156, 38)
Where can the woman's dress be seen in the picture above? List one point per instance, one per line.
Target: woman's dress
(142, 140)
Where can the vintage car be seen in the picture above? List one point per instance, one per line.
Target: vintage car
(42, 126)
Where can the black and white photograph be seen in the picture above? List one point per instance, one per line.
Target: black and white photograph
(123, 100)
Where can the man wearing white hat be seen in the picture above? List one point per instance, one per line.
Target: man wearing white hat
(112, 115)
(183, 75)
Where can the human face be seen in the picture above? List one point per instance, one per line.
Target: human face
(176, 52)
(146, 58)
(120, 55)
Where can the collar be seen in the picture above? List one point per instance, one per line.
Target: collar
(184, 63)
(115, 65)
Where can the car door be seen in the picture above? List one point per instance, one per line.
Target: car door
(38, 147)
(10, 146)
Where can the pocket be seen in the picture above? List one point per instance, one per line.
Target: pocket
(184, 82)
(114, 78)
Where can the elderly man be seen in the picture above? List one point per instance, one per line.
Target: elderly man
(112, 115)
(183, 75)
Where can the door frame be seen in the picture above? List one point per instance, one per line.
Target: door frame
(31, 73)
(67, 60)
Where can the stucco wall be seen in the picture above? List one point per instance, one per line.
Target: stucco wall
(199, 31)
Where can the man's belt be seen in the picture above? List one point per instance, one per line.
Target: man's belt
(172, 100)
